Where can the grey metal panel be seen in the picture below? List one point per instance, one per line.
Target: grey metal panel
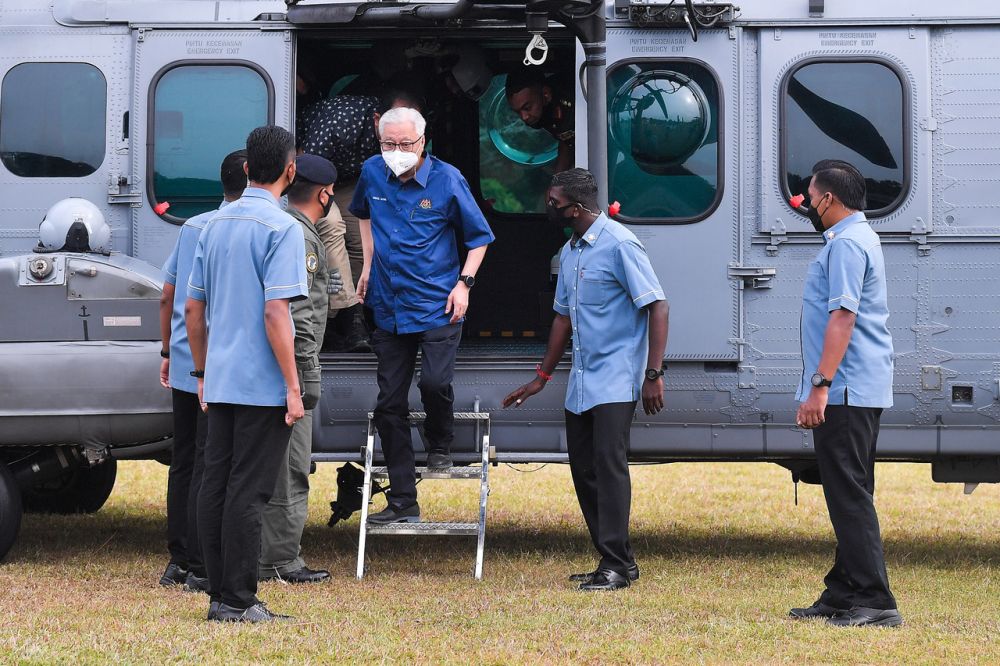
(966, 74)
(25, 200)
(271, 51)
(691, 260)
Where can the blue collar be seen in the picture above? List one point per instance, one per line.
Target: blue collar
(594, 232)
(422, 174)
(261, 193)
(841, 226)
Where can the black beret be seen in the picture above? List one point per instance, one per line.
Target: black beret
(315, 169)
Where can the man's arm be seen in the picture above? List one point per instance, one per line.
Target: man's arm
(559, 337)
(652, 391)
(565, 157)
(278, 325)
(166, 313)
(458, 299)
(835, 341)
(194, 319)
(367, 247)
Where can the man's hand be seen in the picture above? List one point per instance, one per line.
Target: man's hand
(293, 402)
(652, 395)
(165, 373)
(335, 285)
(362, 290)
(812, 412)
(519, 395)
(201, 395)
(458, 302)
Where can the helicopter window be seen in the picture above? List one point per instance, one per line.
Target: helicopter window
(825, 117)
(200, 113)
(664, 152)
(52, 119)
(516, 162)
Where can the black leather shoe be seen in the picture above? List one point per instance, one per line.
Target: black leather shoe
(860, 616)
(303, 575)
(255, 614)
(410, 514)
(438, 461)
(357, 333)
(175, 574)
(213, 611)
(195, 583)
(818, 609)
(633, 575)
(605, 580)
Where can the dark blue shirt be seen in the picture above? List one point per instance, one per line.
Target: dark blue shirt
(414, 231)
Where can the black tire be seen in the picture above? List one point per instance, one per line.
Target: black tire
(10, 510)
(84, 490)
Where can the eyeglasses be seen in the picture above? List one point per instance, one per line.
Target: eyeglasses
(402, 145)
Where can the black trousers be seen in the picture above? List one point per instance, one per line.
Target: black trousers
(245, 448)
(845, 451)
(187, 462)
(397, 356)
(598, 441)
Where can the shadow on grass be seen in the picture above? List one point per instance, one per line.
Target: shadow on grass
(46, 538)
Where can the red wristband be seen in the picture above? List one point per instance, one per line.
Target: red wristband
(538, 371)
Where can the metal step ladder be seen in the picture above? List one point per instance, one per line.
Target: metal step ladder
(481, 472)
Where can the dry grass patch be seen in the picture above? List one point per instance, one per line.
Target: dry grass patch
(723, 552)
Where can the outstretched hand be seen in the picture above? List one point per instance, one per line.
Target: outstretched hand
(522, 393)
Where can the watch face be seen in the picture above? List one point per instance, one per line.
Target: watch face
(818, 380)
(468, 280)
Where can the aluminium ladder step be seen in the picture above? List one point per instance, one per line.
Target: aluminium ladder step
(424, 473)
(449, 529)
(459, 416)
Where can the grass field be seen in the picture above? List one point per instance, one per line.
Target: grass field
(723, 551)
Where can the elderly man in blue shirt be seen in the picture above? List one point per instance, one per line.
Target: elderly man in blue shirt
(249, 265)
(413, 208)
(609, 301)
(847, 364)
(186, 566)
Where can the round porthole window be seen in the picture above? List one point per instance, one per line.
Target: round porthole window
(515, 140)
(660, 118)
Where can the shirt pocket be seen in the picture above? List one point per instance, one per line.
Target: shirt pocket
(816, 284)
(595, 286)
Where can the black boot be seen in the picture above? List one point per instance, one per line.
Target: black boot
(356, 334)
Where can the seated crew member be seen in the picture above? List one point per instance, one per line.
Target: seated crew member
(542, 104)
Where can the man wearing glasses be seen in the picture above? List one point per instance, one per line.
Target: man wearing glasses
(412, 208)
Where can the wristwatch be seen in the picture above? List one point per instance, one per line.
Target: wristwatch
(818, 380)
(469, 280)
(197, 374)
(165, 353)
(652, 374)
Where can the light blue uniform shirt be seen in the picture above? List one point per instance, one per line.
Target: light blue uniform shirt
(605, 281)
(849, 273)
(178, 270)
(249, 253)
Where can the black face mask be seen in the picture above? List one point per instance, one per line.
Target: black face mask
(555, 213)
(815, 218)
(328, 206)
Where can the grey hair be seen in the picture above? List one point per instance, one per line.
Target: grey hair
(402, 114)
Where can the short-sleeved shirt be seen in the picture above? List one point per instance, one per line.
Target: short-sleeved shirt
(176, 271)
(849, 273)
(415, 225)
(247, 254)
(341, 129)
(605, 282)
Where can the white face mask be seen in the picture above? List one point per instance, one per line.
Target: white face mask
(400, 161)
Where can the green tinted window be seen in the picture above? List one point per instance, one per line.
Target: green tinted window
(825, 118)
(663, 150)
(200, 114)
(515, 161)
(52, 119)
